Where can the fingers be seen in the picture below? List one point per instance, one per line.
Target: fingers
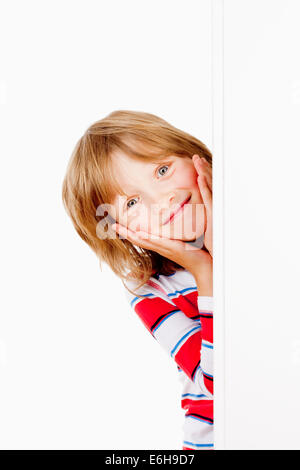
(202, 167)
(149, 241)
(203, 179)
(134, 237)
(205, 192)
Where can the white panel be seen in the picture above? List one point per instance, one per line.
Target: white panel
(217, 15)
(262, 262)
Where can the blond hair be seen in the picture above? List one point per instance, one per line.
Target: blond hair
(89, 182)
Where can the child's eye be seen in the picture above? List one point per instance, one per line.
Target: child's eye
(161, 168)
(127, 205)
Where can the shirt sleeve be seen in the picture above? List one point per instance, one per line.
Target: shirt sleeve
(189, 341)
(204, 374)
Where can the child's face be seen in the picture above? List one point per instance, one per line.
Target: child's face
(155, 191)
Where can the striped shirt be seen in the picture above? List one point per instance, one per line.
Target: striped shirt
(182, 322)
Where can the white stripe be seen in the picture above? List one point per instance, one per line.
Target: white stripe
(173, 329)
(205, 303)
(199, 381)
(197, 431)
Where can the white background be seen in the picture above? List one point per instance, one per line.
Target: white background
(78, 368)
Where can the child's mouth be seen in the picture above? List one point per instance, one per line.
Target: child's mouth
(174, 214)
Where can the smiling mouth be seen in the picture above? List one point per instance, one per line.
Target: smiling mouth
(177, 211)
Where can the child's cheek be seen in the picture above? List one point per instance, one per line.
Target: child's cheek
(194, 186)
(193, 175)
(186, 176)
(144, 219)
(136, 220)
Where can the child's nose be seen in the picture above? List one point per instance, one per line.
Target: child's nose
(168, 201)
(166, 204)
(172, 197)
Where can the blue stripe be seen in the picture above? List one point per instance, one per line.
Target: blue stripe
(209, 346)
(192, 395)
(169, 295)
(181, 291)
(181, 339)
(198, 445)
(199, 419)
(204, 373)
(208, 375)
(164, 319)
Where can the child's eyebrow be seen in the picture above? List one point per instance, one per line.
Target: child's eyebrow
(162, 159)
(156, 162)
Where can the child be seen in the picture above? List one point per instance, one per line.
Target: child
(154, 244)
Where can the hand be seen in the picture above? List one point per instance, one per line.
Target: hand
(204, 278)
(195, 260)
(205, 187)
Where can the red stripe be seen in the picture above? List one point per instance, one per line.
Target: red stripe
(149, 310)
(187, 303)
(207, 329)
(202, 407)
(206, 408)
(209, 384)
(188, 404)
(189, 354)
